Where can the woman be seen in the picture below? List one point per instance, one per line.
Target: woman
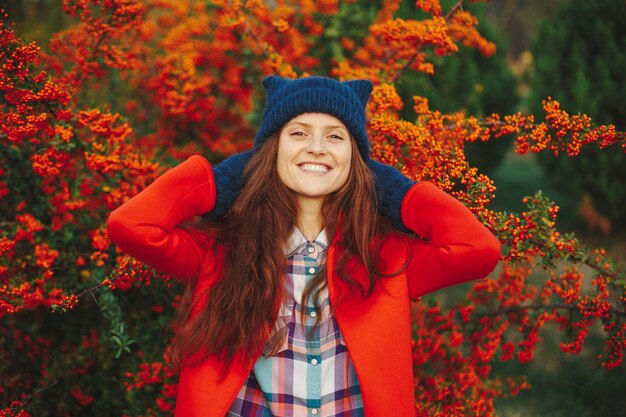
(298, 299)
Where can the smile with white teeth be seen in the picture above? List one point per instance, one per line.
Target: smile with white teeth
(314, 168)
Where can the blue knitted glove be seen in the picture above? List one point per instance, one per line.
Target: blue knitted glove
(391, 187)
(228, 176)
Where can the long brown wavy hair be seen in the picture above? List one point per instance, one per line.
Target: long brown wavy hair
(242, 306)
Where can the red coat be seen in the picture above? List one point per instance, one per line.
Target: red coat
(376, 329)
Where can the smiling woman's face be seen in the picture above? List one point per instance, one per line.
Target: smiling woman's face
(314, 155)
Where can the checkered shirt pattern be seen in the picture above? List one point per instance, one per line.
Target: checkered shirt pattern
(309, 376)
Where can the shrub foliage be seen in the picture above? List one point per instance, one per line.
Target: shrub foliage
(134, 82)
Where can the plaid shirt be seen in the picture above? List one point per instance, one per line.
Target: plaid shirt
(308, 376)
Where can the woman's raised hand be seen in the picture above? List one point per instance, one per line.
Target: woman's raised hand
(228, 176)
(391, 187)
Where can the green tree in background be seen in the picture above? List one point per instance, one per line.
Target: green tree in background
(579, 60)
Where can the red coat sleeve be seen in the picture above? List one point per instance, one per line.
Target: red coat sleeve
(147, 226)
(458, 246)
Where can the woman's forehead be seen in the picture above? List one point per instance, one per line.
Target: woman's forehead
(317, 119)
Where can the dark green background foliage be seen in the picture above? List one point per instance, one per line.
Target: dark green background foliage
(580, 61)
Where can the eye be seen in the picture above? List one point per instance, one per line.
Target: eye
(335, 136)
(297, 133)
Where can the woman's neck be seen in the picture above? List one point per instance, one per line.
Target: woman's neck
(310, 219)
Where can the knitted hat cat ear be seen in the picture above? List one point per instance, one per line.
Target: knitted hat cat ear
(287, 98)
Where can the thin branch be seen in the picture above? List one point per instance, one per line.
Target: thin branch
(34, 394)
(406, 65)
(539, 306)
(249, 29)
(417, 51)
(91, 290)
(454, 8)
(612, 275)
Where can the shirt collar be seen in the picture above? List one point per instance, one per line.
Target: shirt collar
(297, 239)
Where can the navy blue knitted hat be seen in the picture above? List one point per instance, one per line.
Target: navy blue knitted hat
(287, 98)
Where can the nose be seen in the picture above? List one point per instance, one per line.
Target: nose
(317, 145)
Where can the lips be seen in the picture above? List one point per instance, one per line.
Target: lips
(317, 168)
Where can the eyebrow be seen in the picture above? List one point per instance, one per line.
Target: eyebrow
(326, 127)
